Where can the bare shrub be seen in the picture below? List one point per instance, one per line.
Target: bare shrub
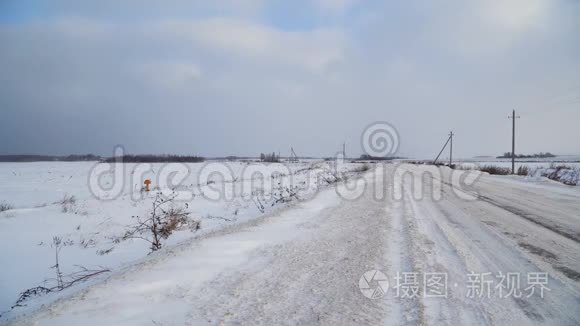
(164, 219)
(560, 166)
(256, 195)
(67, 203)
(176, 216)
(279, 195)
(284, 195)
(87, 243)
(492, 169)
(103, 252)
(5, 207)
(523, 170)
(330, 177)
(557, 172)
(63, 281)
(68, 280)
(57, 243)
(363, 168)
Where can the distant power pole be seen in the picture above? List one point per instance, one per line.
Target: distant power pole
(293, 156)
(449, 139)
(514, 117)
(450, 148)
(344, 150)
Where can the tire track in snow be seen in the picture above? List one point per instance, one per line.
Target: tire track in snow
(566, 263)
(410, 311)
(532, 218)
(497, 255)
(434, 252)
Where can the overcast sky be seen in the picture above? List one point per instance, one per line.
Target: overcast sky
(242, 77)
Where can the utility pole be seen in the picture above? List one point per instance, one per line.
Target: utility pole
(450, 138)
(293, 156)
(344, 150)
(514, 117)
(450, 148)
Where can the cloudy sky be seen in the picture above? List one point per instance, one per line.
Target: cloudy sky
(243, 77)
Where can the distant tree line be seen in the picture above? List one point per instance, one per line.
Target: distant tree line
(86, 157)
(41, 158)
(538, 155)
(149, 158)
(269, 157)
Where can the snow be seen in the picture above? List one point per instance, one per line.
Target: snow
(567, 172)
(179, 272)
(301, 263)
(515, 226)
(508, 164)
(34, 190)
(564, 174)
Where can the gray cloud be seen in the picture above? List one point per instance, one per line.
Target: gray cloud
(227, 80)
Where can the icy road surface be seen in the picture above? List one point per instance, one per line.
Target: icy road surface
(303, 265)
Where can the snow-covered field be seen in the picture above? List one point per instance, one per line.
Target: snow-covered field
(506, 164)
(569, 160)
(304, 263)
(88, 227)
(565, 169)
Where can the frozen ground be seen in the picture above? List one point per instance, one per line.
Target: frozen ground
(302, 264)
(89, 226)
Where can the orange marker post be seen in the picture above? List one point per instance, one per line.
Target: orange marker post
(147, 182)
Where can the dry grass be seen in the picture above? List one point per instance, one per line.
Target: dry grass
(67, 203)
(492, 169)
(164, 219)
(555, 174)
(523, 170)
(363, 168)
(559, 166)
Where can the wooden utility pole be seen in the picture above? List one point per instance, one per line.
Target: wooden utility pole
(514, 117)
(450, 148)
(344, 150)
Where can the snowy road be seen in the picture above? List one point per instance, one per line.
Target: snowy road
(303, 265)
